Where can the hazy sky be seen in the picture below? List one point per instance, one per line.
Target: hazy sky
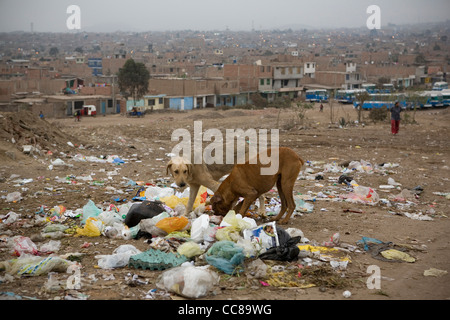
(152, 15)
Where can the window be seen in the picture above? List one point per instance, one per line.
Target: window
(151, 102)
(161, 101)
(261, 82)
(307, 65)
(262, 69)
(268, 82)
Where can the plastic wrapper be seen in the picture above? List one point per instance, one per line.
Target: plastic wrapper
(225, 256)
(188, 281)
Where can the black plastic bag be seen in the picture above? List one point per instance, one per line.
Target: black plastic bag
(286, 251)
(144, 210)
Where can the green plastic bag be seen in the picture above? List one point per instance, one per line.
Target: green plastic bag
(226, 256)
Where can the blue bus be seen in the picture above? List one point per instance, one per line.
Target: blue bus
(439, 86)
(317, 95)
(379, 100)
(369, 87)
(434, 99)
(446, 97)
(348, 96)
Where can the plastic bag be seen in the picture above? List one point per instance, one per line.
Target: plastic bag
(210, 234)
(90, 210)
(51, 246)
(363, 195)
(156, 193)
(225, 256)
(228, 234)
(265, 235)
(303, 206)
(22, 245)
(190, 249)
(172, 224)
(120, 257)
(144, 210)
(35, 266)
(92, 228)
(286, 251)
(149, 225)
(13, 197)
(188, 281)
(199, 227)
(397, 255)
(233, 220)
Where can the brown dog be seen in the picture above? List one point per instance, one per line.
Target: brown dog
(196, 175)
(246, 180)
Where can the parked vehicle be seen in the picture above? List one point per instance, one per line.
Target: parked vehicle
(317, 95)
(439, 86)
(89, 110)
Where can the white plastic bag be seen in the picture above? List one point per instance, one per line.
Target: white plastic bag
(188, 281)
(199, 227)
(155, 193)
(120, 257)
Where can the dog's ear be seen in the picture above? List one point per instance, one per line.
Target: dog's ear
(169, 167)
(190, 168)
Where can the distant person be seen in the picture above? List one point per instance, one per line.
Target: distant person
(77, 115)
(321, 107)
(395, 118)
(41, 115)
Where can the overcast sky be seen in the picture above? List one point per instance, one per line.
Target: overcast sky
(152, 15)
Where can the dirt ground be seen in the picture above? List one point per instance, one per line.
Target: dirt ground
(421, 150)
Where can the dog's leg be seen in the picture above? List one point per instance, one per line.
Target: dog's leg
(193, 190)
(262, 208)
(237, 207)
(249, 198)
(283, 201)
(287, 187)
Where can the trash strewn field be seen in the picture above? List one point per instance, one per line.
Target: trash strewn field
(89, 212)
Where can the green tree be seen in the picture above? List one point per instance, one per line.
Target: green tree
(133, 80)
(53, 51)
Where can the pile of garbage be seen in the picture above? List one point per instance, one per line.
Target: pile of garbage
(192, 251)
(33, 136)
(344, 186)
